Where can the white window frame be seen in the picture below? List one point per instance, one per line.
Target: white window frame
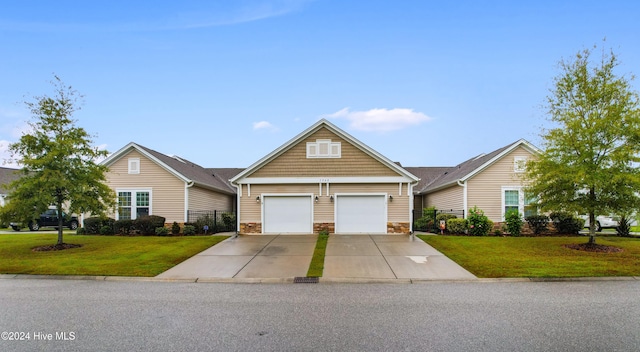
(520, 199)
(519, 164)
(314, 149)
(134, 166)
(134, 196)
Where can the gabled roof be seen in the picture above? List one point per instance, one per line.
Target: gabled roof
(183, 169)
(8, 175)
(444, 177)
(334, 129)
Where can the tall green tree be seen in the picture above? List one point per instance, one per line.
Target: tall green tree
(590, 160)
(59, 165)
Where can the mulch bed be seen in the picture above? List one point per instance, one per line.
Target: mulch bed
(593, 247)
(56, 247)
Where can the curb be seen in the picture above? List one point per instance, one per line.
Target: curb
(322, 280)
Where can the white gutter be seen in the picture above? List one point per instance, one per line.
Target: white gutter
(464, 197)
(238, 195)
(187, 185)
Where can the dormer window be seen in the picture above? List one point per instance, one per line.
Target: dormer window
(134, 165)
(323, 148)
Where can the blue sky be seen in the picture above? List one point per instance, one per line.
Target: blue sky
(223, 83)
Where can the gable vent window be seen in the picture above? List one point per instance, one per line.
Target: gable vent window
(323, 148)
(520, 164)
(134, 165)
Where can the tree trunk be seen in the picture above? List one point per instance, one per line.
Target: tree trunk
(60, 222)
(592, 227)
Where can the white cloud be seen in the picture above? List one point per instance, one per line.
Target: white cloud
(5, 155)
(264, 125)
(183, 17)
(381, 120)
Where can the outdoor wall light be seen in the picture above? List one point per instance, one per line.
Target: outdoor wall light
(331, 198)
(390, 198)
(317, 199)
(258, 199)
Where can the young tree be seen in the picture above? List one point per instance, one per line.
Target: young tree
(590, 158)
(58, 162)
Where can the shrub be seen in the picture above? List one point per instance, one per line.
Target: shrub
(189, 230)
(514, 222)
(538, 223)
(498, 232)
(229, 220)
(421, 224)
(123, 227)
(147, 224)
(445, 217)
(94, 225)
(624, 226)
(457, 226)
(479, 224)
(204, 220)
(106, 230)
(162, 231)
(566, 223)
(81, 231)
(175, 228)
(426, 221)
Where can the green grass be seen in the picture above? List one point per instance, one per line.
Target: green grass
(99, 255)
(317, 262)
(499, 257)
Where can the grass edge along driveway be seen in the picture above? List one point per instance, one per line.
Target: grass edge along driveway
(99, 255)
(504, 257)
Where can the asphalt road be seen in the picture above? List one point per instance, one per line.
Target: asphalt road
(436, 316)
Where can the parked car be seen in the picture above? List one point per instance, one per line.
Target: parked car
(602, 222)
(49, 219)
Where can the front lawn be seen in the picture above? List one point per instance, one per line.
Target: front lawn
(495, 257)
(99, 255)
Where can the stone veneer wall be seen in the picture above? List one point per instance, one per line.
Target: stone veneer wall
(251, 227)
(319, 226)
(398, 227)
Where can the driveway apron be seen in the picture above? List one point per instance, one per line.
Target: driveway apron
(347, 257)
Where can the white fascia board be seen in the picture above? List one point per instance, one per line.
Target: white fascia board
(276, 152)
(522, 142)
(123, 151)
(311, 180)
(118, 154)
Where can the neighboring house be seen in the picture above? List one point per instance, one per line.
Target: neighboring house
(492, 182)
(324, 179)
(147, 182)
(7, 175)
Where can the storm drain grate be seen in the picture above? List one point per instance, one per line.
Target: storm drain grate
(305, 280)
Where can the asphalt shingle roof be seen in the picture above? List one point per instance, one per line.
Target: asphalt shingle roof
(7, 175)
(433, 178)
(193, 171)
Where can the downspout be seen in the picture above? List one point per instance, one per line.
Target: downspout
(411, 207)
(238, 195)
(464, 197)
(187, 185)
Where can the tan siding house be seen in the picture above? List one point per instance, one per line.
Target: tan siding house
(492, 182)
(324, 179)
(147, 182)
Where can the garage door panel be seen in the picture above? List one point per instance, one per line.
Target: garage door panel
(287, 214)
(361, 214)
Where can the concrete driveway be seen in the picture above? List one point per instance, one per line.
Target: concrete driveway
(347, 258)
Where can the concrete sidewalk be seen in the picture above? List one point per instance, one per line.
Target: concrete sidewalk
(348, 258)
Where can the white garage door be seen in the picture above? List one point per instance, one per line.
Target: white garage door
(287, 214)
(361, 214)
